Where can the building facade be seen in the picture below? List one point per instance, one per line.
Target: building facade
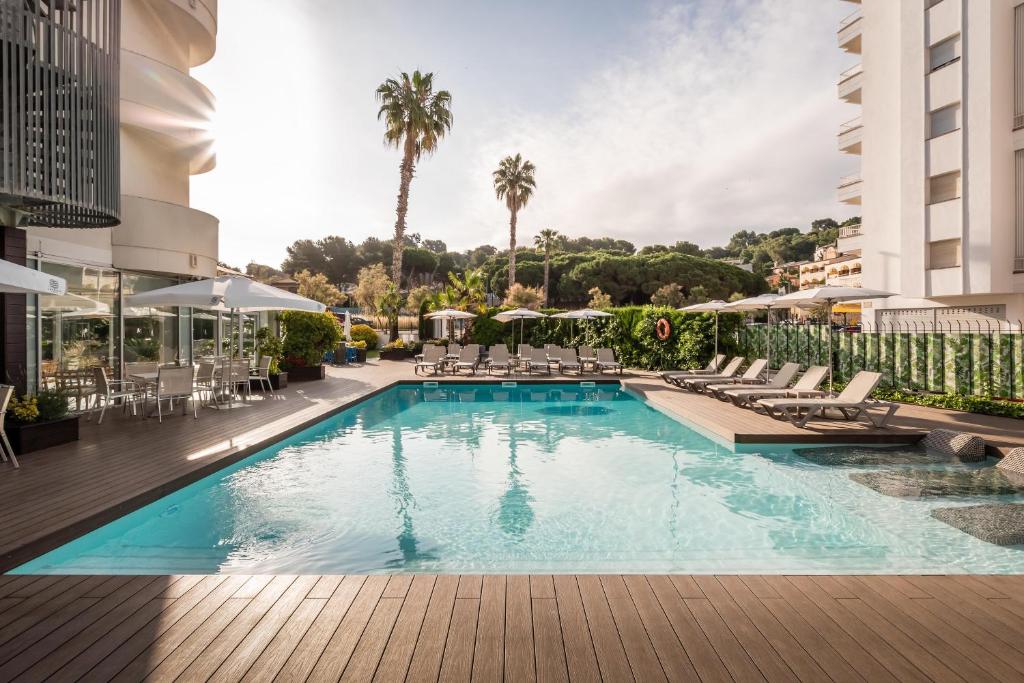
(164, 138)
(939, 85)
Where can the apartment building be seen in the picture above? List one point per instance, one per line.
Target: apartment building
(119, 221)
(939, 130)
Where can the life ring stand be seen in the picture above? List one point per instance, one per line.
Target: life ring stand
(663, 329)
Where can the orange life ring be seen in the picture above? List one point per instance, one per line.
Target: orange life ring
(663, 329)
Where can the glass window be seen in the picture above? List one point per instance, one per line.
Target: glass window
(945, 120)
(150, 332)
(204, 333)
(943, 254)
(946, 52)
(942, 188)
(78, 330)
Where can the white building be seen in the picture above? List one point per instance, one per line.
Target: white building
(940, 135)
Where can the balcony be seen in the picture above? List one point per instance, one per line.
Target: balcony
(850, 189)
(849, 33)
(850, 83)
(161, 237)
(850, 135)
(850, 238)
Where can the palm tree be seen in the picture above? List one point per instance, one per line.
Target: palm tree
(415, 119)
(513, 182)
(547, 240)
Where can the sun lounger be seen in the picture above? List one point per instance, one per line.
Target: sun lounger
(538, 362)
(728, 371)
(851, 402)
(469, 358)
(805, 387)
(710, 369)
(752, 374)
(781, 380)
(606, 361)
(587, 357)
(567, 360)
(432, 359)
(499, 359)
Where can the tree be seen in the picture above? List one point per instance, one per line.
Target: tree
(514, 182)
(318, 288)
(415, 119)
(697, 295)
(669, 295)
(389, 304)
(599, 299)
(547, 240)
(263, 273)
(520, 296)
(436, 246)
(417, 296)
(371, 285)
(476, 257)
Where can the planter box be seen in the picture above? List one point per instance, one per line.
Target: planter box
(307, 374)
(396, 354)
(37, 436)
(278, 381)
(360, 355)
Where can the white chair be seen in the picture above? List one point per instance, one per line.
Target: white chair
(235, 375)
(6, 391)
(606, 361)
(587, 357)
(469, 358)
(568, 361)
(262, 374)
(141, 367)
(176, 383)
(499, 359)
(431, 359)
(206, 381)
(109, 391)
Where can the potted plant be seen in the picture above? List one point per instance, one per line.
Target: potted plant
(396, 350)
(307, 337)
(360, 347)
(268, 344)
(40, 421)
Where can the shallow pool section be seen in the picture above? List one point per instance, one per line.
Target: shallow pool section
(528, 478)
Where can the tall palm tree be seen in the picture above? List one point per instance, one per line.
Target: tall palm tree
(513, 182)
(415, 119)
(547, 240)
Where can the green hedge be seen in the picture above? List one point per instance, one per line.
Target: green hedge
(983, 405)
(630, 332)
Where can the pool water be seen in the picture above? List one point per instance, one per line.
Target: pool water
(530, 478)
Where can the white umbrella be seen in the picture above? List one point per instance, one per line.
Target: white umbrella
(762, 302)
(232, 294)
(828, 296)
(15, 279)
(520, 314)
(714, 306)
(348, 326)
(450, 314)
(582, 314)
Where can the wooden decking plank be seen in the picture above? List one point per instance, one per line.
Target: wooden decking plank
(542, 586)
(729, 649)
(992, 586)
(248, 649)
(325, 586)
(608, 648)
(674, 660)
(580, 658)
(158, 638)
(364, 660)
(470, 586)
(898, 584)
(308, 651)
(394, 661)
(760, 651)
(429, 650)
(277, 652)
(341, 645)
(7, 603)
(520, 657)
(701, 652)
(550, 650)
(792, 600)
(884, 652)
(457, 662)
(759, 586)
(16, 584)
(643, 660)
(489, 651)
(180, 586)
(398, 586)
(789, 647)
(988, 613)
(686, 586)
(53, 597)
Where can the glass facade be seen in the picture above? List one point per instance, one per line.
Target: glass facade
(151, 333)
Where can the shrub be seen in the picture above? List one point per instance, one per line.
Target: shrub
(308, 336)
(983, 405)
(520, 296)
(46, 406)
(396, 345)
(357, 345)
(366, 334)
(24, 410)
(268, 344)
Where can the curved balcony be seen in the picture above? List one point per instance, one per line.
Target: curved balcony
(163, 100)
(850, 136)
(850, 189)
(160, 237)
(195, 21)
(850, 30)
(850, 83)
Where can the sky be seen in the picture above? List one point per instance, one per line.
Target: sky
(651, 121)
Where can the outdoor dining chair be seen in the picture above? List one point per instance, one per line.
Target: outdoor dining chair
(262, 374)
(109, 391)
(206, 382)
(172, 384)
(6, 391)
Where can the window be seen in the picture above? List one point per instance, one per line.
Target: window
(943, 254)
(945, 120)
(942, 188)
(946, 52)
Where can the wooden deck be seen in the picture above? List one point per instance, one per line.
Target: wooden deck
(514, 628)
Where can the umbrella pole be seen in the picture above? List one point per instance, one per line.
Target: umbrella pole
(828, 321)
(716, 337)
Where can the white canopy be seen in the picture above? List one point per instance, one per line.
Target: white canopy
(583, 314)
(713, 306)
(450, 314)
(15, 279)
(69, 303)
(755, 303)
(518, 314)
(828, 295)
(227, 293)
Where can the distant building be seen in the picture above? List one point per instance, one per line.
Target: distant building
(738, 263)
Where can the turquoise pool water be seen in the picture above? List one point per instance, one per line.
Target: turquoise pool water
(532, 478)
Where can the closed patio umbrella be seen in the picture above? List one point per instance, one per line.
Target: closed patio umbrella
(828, 296)
(520, 314)
(714, 306)
(15, 279)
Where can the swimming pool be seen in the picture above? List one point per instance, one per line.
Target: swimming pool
(526, 478)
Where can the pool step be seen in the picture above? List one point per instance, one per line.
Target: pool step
(588, 384)
(510, 384)
(430, 385)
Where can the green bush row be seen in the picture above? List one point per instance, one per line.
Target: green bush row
(983, 405)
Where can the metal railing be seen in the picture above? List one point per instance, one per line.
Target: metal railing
(850, 231)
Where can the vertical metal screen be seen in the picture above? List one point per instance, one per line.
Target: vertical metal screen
(1018, 184)
(59, 74)
(1018, 67)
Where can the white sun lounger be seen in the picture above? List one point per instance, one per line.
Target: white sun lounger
(537, 362)
(752, 375)
(469, 358)
(606, 361)
(851, 402)
(567, 360)
(711, 368)
(805, 387)
(432, 359)
(781, 380)
(728, 371)
(499, 359)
